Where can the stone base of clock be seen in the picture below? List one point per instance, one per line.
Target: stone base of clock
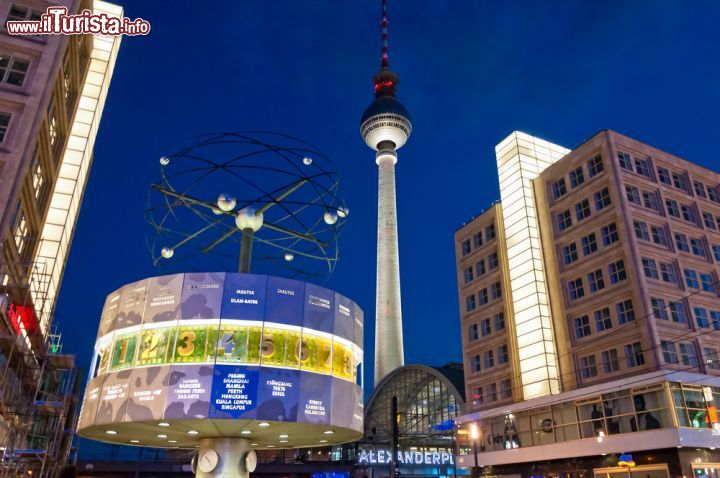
(222, 458)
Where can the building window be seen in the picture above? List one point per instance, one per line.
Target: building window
(713, 194)
(709, 221)
(575, 289)
(700, 189)
(642, 167)
(664, 176)
(505, 389)
(20, 229)
(470, 303)
(625, 161)
(478, 240)
(475, 363)
(559, 188)
(669, 352)
(587, 366)
(650, 268)
(659, 308)
(596, 281)
(492, 260)
(576, 177)
(681, 242)
(569, 253)
(502, 354)
(492, 392)
(715, 319)
(465, 247)
(691, 279)
(707, 283)
(52, 125)
(625, 312)
(495, 291)
(650, 201)
(667, 273)
(602, 199)
(701, 317)
(490, 232)
(633, 194)
(485, 327)
(697, 247)
(477, 395)
(473, 333)
(712, 358)
(589, 244)
(564, 220)
(716, 252)
(4, 125)
(688, 213)
(617, 271)
(13, 70)
(603, 321)
(480, 267)
(688, 354)
(672, 207)
(595, 166)
(634, 355)
(610, 361)
(38, 175)
(609, 234)
(468, 274)
(677, 312)
(488, 359)
(499, 321)
(18, 13)
(483, 296)
(659, 235)
(582, 210)
(582, 326)
(679, 181)
(641, 230)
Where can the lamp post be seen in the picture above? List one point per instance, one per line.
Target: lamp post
(474, 436)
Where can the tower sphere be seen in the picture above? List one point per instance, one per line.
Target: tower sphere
(386, 119)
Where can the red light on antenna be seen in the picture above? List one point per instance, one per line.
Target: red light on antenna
(383, 84)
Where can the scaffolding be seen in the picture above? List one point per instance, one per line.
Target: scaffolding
(39, 385)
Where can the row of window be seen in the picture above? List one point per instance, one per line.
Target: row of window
(496, 322)
(666, 272)
(596, 281)
(477, 240)
(669, 178)
(659, 236)
(601, 199)
(479, 397)
(634, 357)
(488, 359)
(701, 318)
(483, 297)
(577, 176)
(624, 313)
(589, 244)
(700, 280)
(480, 268)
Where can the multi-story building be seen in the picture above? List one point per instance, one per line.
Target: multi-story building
(606, 282)
(52, 92)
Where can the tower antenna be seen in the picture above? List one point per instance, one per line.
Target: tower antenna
(385, 58)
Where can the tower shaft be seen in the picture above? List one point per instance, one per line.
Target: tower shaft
(389, 353)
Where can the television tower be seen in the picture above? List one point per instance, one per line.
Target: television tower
(385, 126)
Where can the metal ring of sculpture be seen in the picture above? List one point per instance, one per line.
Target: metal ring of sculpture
(252, 192)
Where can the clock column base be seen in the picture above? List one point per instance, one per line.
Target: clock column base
(231, 454)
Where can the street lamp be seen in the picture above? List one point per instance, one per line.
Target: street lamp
(474, 436)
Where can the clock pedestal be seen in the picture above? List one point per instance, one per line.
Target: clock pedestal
(227, 461)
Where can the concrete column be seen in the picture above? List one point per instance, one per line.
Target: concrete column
(389, 353)
(231, 452)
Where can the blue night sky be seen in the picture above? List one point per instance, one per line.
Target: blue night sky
(470, 73)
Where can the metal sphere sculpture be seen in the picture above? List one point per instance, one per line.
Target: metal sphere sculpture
(247, 196)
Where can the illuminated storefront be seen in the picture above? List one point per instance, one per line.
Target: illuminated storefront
(654, 426)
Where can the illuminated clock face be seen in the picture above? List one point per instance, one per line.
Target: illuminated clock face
(208, 460)
(251, 461)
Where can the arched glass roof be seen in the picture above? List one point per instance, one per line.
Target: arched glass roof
(429, 400)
